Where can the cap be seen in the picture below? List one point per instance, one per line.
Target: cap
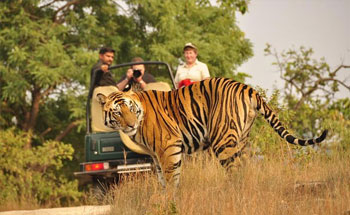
(190, 45)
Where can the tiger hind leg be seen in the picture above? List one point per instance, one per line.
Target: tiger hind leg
(231, 155)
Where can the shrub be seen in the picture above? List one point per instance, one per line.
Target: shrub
(32, 174)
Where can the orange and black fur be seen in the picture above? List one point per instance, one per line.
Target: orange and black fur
(216, 113)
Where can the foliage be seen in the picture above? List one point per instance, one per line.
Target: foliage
(264, 141)
(343, 106)
(163, 27)
(32, 174)
(337, 119)
(44, 54)
(307, 122)
(306, 106)
(306, 80)
(47, 49)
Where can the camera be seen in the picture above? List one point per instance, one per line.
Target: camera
(136, 73)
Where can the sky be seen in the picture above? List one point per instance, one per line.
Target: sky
(323, 25)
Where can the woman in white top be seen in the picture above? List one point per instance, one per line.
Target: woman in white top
(193, 70)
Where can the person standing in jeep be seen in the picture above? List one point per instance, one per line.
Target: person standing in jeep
(192, 70)
(103, 77)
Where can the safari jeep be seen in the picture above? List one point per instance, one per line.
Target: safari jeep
(109, 153)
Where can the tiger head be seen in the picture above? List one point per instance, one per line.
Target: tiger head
(121, 111)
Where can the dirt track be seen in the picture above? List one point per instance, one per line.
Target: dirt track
(81, 210)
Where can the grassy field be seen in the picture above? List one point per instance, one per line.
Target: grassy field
(281, 183)
(278, 184)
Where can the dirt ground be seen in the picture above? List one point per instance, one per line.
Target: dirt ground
(81, 210)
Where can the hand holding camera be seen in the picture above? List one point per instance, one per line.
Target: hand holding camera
(129, 74)
(135, 74)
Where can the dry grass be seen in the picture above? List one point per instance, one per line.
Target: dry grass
(276, 185)
(24, 204)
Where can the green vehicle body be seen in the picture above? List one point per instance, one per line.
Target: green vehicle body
(107, 146)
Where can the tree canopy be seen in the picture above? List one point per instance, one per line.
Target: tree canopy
(307, 79)
(48, 47)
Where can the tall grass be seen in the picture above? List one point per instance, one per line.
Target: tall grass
(274, 185)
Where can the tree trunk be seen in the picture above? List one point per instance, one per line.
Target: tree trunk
(66, 131)
(30, 119)
(36, 98)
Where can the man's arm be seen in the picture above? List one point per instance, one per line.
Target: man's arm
(125, 80)
(122, 83)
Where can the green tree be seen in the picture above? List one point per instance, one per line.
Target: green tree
(162, 27)
(47, 48)
(306, 79)
(310, 85)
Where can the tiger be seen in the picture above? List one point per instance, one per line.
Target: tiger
(216, 113)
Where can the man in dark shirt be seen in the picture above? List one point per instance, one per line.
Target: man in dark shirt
(103, 77)
(136, 78)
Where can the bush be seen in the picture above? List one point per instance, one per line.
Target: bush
(32, 174)
(306, 122)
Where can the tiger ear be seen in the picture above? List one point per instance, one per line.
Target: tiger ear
(101, 98)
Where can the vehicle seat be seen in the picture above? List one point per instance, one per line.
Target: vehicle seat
(97, 123)
(160, 86)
